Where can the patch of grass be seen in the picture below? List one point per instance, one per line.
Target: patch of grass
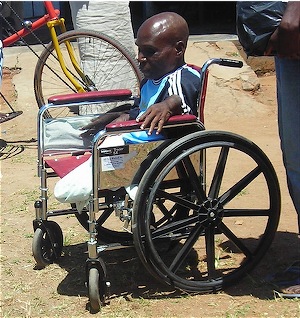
(28, 235)
(240, 311)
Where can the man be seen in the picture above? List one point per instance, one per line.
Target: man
(1, 61)
(170, 88)
(285, 41)
(162, 42)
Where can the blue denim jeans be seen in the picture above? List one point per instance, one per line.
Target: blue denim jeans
(288, 98)
(1, 61)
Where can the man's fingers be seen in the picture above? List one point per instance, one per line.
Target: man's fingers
(160, 126)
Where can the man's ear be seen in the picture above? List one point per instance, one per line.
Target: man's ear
(180, 48)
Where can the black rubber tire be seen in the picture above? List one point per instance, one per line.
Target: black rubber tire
(197, 240)
(94, 293)
(47, 244)
(50, 80)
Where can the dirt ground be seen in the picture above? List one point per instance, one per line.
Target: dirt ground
(59, 290)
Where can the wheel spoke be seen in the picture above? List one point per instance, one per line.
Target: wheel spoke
(167, 213)
(168, 229)
(194, 179)
(176, 199)
(239, 186)
(246, 212)
(218, 174)
(210, 251)
(104, 216)
(186, 248)
(234, 239)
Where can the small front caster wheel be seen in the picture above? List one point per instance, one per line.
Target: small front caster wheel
(47, 243)
(94, 290)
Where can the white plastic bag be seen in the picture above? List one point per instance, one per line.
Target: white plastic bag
(76, 186)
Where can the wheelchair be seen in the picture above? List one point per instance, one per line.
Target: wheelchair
(189, 210)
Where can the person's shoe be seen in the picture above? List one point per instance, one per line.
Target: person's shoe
(289, 292)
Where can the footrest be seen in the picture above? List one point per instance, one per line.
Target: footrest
(132, 124)
(94, 96)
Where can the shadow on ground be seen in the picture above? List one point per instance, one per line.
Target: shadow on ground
(129, 278)
(9, 149)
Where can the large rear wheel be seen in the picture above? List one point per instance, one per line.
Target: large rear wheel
(202, 224)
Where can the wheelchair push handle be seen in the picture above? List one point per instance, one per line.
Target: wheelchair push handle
(222, 62)
(203, 79)
(231, 63)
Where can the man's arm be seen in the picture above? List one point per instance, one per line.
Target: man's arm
(100, 122)
(285, 41)
(157, 114)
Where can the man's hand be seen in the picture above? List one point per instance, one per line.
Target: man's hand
(157, 114)
(285, 41)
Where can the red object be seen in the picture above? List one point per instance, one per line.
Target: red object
(62, 166)
(35, 25)
(90, 96)
(177, 119)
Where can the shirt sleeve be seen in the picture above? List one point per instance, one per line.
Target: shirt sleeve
(186, 85)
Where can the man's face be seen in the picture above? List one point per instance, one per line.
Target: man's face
(156, 56)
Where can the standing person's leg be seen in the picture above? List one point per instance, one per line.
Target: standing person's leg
(1, 61)
(288, 95)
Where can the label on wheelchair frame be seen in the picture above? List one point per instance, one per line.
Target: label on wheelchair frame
(113, 158)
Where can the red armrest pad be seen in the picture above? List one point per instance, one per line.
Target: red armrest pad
(131, 124)
(93, 96)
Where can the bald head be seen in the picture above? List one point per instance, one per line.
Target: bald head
(168, 25)
(162, 41)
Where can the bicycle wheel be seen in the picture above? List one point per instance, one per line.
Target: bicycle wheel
(105, 62)
(202, 240)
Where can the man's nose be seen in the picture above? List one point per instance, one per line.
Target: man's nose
(141, 57)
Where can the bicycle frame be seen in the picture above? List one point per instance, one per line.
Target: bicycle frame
(52, 15)
(52, 20)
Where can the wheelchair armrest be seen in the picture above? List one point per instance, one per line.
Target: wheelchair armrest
(94, 96)
(132, 124)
